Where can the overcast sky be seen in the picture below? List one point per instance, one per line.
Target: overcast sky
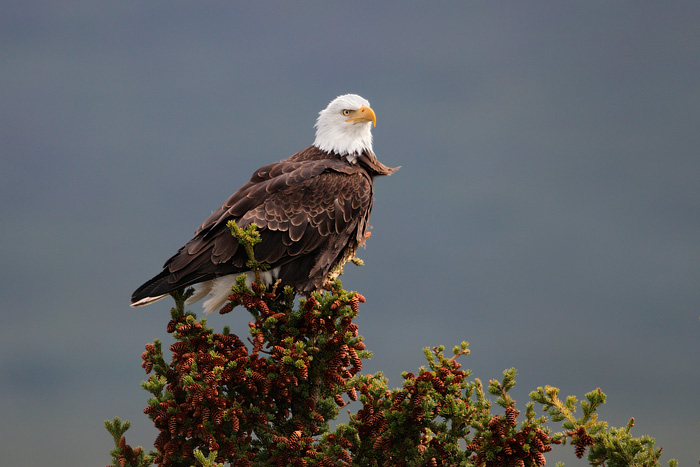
(547, 209)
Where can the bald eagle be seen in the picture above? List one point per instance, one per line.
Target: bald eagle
(312, 211)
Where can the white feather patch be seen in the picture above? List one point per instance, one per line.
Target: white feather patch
(217, 290)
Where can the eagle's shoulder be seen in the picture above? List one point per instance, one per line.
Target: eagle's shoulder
(298, 172)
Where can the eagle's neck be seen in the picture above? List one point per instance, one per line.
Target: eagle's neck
(366, 159)
(346, 141)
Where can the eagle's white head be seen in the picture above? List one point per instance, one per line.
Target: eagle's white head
(345, 126)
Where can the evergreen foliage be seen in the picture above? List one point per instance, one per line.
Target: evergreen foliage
(268, 402)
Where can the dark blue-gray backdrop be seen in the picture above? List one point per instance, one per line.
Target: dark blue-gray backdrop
(547, 209)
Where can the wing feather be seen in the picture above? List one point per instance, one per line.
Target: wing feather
(310, 213)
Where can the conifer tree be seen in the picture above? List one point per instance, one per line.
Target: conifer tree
(269, 400)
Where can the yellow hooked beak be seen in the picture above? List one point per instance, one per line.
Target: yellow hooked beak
(363, 114)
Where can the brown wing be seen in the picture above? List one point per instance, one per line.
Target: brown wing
(309, 213)
(321, 218)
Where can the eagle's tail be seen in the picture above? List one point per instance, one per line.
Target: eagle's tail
(161, 286)
(146, 300)
(153, 290)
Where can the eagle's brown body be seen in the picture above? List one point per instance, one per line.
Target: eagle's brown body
(312, 211)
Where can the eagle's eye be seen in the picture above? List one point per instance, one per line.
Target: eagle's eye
(345, 112)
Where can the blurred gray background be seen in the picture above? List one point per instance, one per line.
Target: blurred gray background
(547, 209)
